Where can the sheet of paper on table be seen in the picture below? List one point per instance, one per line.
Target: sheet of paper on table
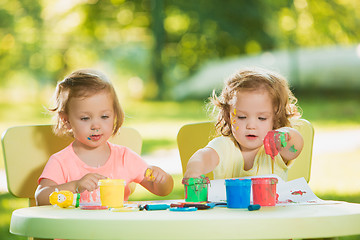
(290, 193)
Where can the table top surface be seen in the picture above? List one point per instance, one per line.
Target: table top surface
(294, 221)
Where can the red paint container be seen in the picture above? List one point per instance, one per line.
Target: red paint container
(264, 191)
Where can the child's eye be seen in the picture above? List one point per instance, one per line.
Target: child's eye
(104, 117)
(241, 117)
(84, 118)
(262, 119)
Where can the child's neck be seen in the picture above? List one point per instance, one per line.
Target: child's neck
(93, 157)
(249, 157)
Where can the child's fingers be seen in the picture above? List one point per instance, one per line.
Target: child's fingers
(272, 144)
(159, 178)
(267, 145)
(89, 182)
(88, 186)
(192, 175)
(149, 174)
(99, 176)
(95, 180)
(157, 175)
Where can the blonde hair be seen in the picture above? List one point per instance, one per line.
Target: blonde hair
(258, 79)
(83, 83)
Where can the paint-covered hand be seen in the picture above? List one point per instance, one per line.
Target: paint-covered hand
(155, 174)
(274, 141)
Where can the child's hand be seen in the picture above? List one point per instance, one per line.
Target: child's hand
(157, 181)
(274, 141)
(88, 182)
(192, 174)
(155, 174)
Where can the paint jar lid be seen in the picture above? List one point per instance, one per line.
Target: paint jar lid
(192, 181)
(264, 180)
(108, 181)
(237, 182)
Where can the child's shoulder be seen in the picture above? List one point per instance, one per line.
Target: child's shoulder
(223, 141)
(117, 146)
(64, 152)
(119, 149)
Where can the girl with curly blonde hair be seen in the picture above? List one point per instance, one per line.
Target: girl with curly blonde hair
(254, 112)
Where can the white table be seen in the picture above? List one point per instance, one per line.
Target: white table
(302, 221)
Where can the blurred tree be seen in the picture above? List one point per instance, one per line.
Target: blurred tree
(158, 42)
(207, 29)
(159, 34)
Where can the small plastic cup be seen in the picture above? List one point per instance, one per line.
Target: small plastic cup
(112, 192)
(264, 191)
(196, 189)
(238, 192)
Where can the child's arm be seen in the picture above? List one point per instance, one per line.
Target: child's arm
(157, 181)
(294, 144)
(201, 162)
(286, 141)
(88, 182)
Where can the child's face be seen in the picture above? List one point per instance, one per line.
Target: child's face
(91, 119)
(251, 118)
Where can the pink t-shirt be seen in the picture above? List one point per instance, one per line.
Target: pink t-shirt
(65, 166)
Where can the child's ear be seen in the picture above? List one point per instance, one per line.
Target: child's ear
(65, 119)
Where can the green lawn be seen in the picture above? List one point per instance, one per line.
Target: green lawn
(158, 123)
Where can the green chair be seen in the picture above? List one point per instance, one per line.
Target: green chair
(28, 148)
(192, 137)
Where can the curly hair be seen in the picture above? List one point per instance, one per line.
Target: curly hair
(283, 99)
(83, 83)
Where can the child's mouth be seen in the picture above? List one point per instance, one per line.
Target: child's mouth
(251, 136)
(94, 137)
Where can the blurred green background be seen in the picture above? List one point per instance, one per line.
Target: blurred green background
(165, 57)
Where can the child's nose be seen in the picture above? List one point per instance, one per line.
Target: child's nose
(95, 125)
(250, 125)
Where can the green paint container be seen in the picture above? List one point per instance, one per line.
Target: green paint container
(196, 189)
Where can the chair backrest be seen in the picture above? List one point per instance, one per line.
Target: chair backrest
(28, 148)
(192, 137)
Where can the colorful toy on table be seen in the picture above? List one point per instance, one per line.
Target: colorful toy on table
(64, 198)
(148, 174)
(196, 189)
(271, 141)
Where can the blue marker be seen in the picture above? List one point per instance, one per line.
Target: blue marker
(150, 207)
(254, 207)
(183, 209)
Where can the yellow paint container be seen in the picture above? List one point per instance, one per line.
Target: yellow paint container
(112, 192)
